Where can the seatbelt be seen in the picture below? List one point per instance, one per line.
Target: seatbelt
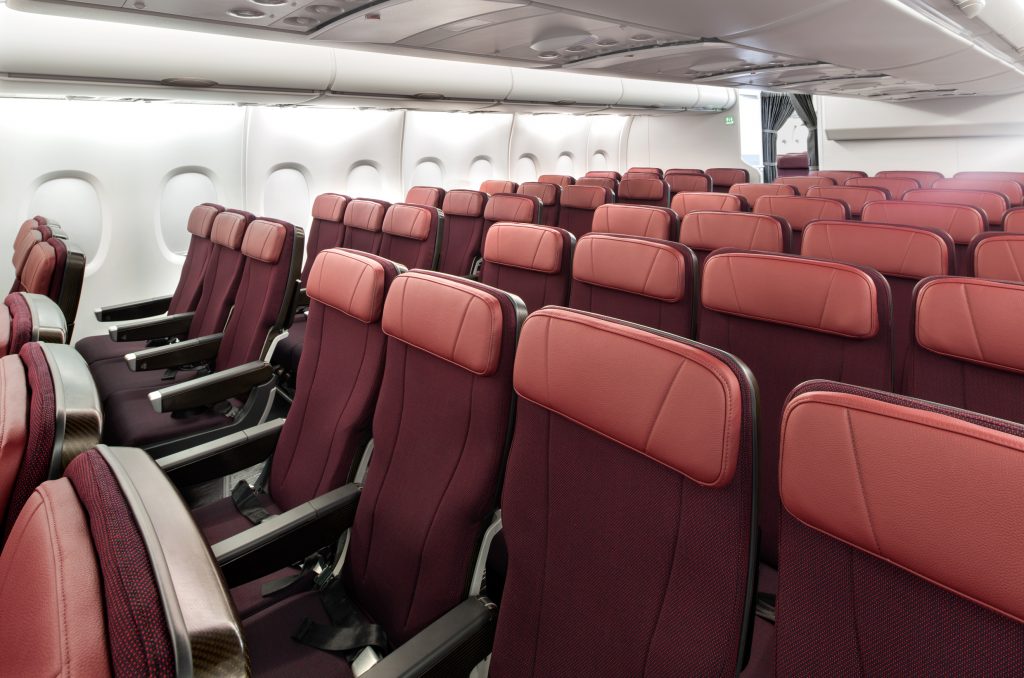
(765, 606)
(248, 503)
(349, 632)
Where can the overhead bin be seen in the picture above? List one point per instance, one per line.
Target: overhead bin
(563, 89)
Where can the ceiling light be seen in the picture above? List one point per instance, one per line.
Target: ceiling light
(607, 42)
(548, 55)
(323, 9)
(641, 37)
(561, 39)
(243, 13)
(971, 8)
(269, 3)
(300, 21)
(576, 48)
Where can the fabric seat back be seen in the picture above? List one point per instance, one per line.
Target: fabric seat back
(532, 262)
(550, 196)
(605, 174)
(799, 211)
(688, 183)
(364, 222)
(327, 229)
(464, 230)
(993, 205)
(412, 235)
(725, 178)
(576, 213)
(1013, 191)
(839, 176)
(561, 180)
(223, 273)
(495, 186)
(896, 186)
(193, 270)
(603, 182)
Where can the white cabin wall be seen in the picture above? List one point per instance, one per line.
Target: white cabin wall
(685, 141)
(455, 150)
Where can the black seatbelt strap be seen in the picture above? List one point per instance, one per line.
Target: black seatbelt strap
(248, 503)
(349, 631)
(765, 608)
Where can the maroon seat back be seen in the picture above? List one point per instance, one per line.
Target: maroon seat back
(364, 222)
(966, 351)
(412, 235)
(925, 179)
(550, 196)
(791, 319)
(26, 240)
(840, 176)
(705, 232)
(799, 211)
(653, 171)
(495, 186)
(793, 164)
(532, 262)
(962, 222)
(751, 192)
(440, 434)
(992, 176)
(640, 280)
(561, 180)
(605, 174)
(431, 196)
(603, 182)
(649, 222)
(1010, 188)
(725, 178)
(896, 186)
(683, 182)
(327, 229)
(223, 273)
(684, 203)
(576, 213)
(630, 483)
(803, 184)
(651, 192)
(329, 422)
(193, 270)
(899, 537)
(520, 209)
(993, 205)
(1013, 222)
(855, 197)
(464, 230)
(997, 256)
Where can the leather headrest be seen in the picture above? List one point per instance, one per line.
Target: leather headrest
(901, 251)
(264, 241)
(992, 205)
(461, 203)
(925, 179)
(683, 170)
(896, 186)
(642, 189)
(855, 197)
(228, 230)
(425, 195)
(820, 296)
(548, 194)
(919, 485)
(990, 176)
(1013, 222)
(348, 282)
(14, 407)
(200, 221)
(688, 182)
(670, 401)
(415, 222)
(601, 182)
(802, 184)
(800, 211)
(754, 191)
(999, 256)
(23, 244)
(366, 215)
(562, 180)
(605, 174)
(656, 171)
(650, 222)
(708, 231)
(330, 207)
(494, 186)
(534, 248)
(458, 323)
(960, 221)
(585, 197)
(727, 176)
(37, 274)
(510, 207)
(840, 176)
(632, 265)
(684, 203)
(1008, 187)
(979, 321)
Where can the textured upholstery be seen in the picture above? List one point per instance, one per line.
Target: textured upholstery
(649, 222)
(751, 192)
(803, 184)
(652, 192)
(925, 179)
(429, 196)
(998, 256)
(993, 205)
(412, 235)
(495, 186)
(853, 196)
(550, 196)
(579, 202)
(464, 230)
(725, 177)
(896, 186)
(532, 262)
(684, 203)
(326, 230)
(705, 232)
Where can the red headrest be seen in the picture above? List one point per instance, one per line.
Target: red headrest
(925, 179)
(642, 189)
(793, 161)
(548, 194)
(40, 264)
(728, 176)
(13, 422)
(330, 207)
(366, 215)
(264, 241)
(839, 176)
(999, 256)
(493, 186)
(583, 197)
(855, 197)
(992, 205)
(979, 321)
(800, 211)
(684, 203)
(708, 231)
(1011, 189)
(534, 248)
(511, 207)
(636, 388)
(348, 282)
(802, 184)
(754, 191)
(684, 170)
(409, 221)
(27, 239)
(455, 322)
(425, 195)
(562, 180)
(901, 251)
(605, 175)
(919, 485)
(461, 203)
(679, 183)
(821, 296)
(656, 171)
(961, 222)
(1013, 222)
(896, 186)
(200, 221)
(650, 222)
(229, 230)
(636, 266)
(987, 176)
(601, 182)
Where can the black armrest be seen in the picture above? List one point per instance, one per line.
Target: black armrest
(222, 457)
(191, 352)
(133, 310)
(171, 326)
(451, 646)
(284, 539)
(212, 388)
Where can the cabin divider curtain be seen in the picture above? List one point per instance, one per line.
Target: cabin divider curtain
(804, 106)
(775, 111)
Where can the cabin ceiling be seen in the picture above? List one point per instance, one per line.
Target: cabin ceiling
(885, 49)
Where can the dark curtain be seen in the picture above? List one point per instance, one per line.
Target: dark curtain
(804, 106)
(775, 111)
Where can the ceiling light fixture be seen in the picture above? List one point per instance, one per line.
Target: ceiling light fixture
(243, 13)
(971, 8)
(269, 3)
(300, 21)
(561, 39)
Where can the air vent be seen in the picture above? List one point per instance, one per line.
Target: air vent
(191, 83)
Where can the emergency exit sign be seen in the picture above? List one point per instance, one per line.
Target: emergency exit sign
(729, 120)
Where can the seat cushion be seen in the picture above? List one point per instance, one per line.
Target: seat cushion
(132, 421)
(101, 347)
(113, 376)
(221, 519)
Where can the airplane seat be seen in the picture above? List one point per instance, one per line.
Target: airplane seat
(550, 196)
(1009, 188)
(649, 222)
(684, 203)
(924, 179)
(561, 180)
(441, 433)
(751, 192)
(855, 197)
(793, 164)
(430, 196)
(1013, 222)
(629, 483)
(649, 192)
(905, 255)
(656, 172)
(993, 205)
(705, 232)
(966, 351)
(412, 235)
(576, 213)
(839, 176)
(602, 182)
(533, 262)
(640, 280)
(997, 256)
(896, 186)
(791, 319)
(184, 299)
(363, 221)
(464, 230)
(24, 242)
(962, 222)
(604, 174)
(30, 317)
(798, 211)
(55, 268)
(686, 182)
(725, 178)
(992, 176)
(803, 184)
(513, 207)
(894, 559)
(495, 186)
(105, 574)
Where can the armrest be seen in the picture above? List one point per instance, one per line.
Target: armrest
(283, 539)
(220, 458)
(171, 326)
(451, 646)
(212, 388)
(191, 352)
(133, 310)
(301, 299)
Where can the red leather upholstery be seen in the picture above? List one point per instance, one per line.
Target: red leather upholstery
(1013, 222)
(751, 192)
(800, 211)
(1013, 191)
(684, 203)
(650, 222)
(430, 196)
(348, 282)
(463, 230)
(562, 180)
(725, 178)
(408, 221)
(679, 183)
(229, 230)
(925, 179)
(532, 262)
(656, 171)
(550, 196)
(705, 232)
(636, 266)
(494, 186)
(961, 222)
(522, 209)
(40, 269)
(326, 230)
(23, 244)
(854, 197)
(604, 174)
(330, 206)
(839, 176)
(264, 240)
(653, 192)
(998, 256)
(14, 404)
(200, 220)
(992, 205)
(896, 186)
(465, 203)
(603, 182)
(803, 184)
(576, 213)
(992, 176)
(900, 251)
(366, 215)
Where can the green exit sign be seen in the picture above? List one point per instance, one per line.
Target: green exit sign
(729, 120)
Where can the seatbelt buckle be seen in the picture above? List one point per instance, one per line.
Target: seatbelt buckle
(365, 661)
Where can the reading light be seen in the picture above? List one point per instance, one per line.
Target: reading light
(972, 8)
(560, 39)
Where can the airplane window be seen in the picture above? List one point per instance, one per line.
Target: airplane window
(72, 200)
(181, 193)
(565, 164)
(286, 196)
(364, 180)
(428, 173)
(526, 169)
